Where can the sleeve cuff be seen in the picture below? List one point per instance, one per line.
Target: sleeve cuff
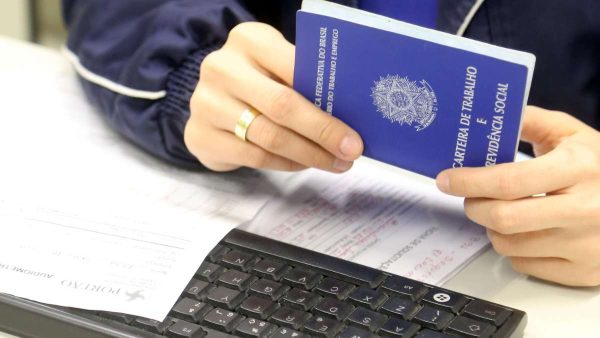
(174, 110)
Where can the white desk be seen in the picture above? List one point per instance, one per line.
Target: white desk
(553, 311)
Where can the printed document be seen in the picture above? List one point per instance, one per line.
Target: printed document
(88, 220)
(377, 218)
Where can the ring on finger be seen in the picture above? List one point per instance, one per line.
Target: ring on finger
(243, 123)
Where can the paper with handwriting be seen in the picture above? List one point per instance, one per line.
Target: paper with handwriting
(377, 218)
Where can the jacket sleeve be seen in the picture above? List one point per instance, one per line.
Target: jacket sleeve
(139, 62)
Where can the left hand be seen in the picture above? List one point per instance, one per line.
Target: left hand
(544, 213)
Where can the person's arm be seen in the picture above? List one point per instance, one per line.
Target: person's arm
(139, 62)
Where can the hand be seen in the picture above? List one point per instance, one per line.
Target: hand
(255, 69)
(543, 213)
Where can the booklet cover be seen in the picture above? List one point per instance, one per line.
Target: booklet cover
(422, 100)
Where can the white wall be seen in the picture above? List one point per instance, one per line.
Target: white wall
(34, 20)
(15, 19)
(50, 30)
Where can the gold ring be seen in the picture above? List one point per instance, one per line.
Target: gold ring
(242, 125)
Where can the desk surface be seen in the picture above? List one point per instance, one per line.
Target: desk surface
(553, 310)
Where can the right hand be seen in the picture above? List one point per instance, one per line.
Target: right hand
(255, 68)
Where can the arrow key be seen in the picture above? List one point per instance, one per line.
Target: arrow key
(470, 328)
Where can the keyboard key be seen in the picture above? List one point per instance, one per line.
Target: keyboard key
(197, 289)
(152, 325)
(334, 288)
(302, 278)
(284, 332)
(183, 329)
(354, 332)
(236, 279)
(485, 311)
(400, 307)
(221, 320)
(396, 327)
(119, 317)
(367, 298)
(470, 328)
(254, 328)
(433, 334)
(300, 299)
(209, 272)
(445, 300)
(367, 319)
(334, 308)
(433, 318)
(268, 288)
(405, 287)
(190, 309)
(270, 269)
(258, 307)
(224, 297)
(290, 317)
(322, 327)
(217, 253)
(238, 260)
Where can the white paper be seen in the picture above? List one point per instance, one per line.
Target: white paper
(376, 218)
(88, 220)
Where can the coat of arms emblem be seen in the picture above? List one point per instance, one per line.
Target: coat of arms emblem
(404, 101)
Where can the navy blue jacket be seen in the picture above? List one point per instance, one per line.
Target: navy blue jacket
(139, 59)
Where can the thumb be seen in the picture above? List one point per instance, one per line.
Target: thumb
(545, 129)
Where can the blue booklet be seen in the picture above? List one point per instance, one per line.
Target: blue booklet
(422, 100)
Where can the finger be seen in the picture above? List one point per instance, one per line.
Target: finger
(270, 136)
(578, 247)
(268, 48)
(286, 107)
(224, 151)
(545, 128)
(286, 143)
(509, 181)
(557, 270)
(527, 214)
(544, 243)
(250, 85)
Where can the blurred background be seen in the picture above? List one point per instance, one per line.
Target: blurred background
(37, 21)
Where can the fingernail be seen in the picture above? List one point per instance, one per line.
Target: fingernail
(443, 182)
(341, 165)
(350, 146)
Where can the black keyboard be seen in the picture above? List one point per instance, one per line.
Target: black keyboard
(252, 286)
